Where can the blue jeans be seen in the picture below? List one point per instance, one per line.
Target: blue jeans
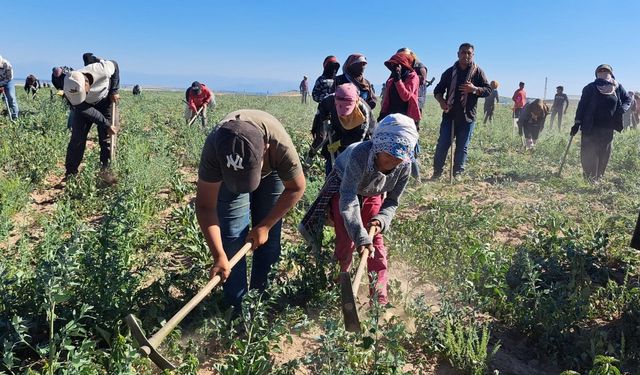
(235, 211)
(10, 94)
(462, 135)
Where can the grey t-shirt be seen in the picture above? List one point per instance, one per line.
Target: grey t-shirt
(281, 156)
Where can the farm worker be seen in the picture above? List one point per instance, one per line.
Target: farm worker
(401, 92)
(350, 120)
(57, 79)
(31, 85)
(304, 89)
(421, 71)
(519, 100)
(628, 117)
(57, 76)
(531, 121)
(353, 71)
(198, 96)
(136, 90)
(559, 106)
(324, 84)
(8, 87)
(635, 110)
(463, 84)
(599, 113)
(91, 92)
(90, 58)
(490, 102)
(249, 172)
(363, 190)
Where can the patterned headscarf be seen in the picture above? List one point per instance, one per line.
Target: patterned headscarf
(396, 135)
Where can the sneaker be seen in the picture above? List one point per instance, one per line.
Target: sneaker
(436, 175)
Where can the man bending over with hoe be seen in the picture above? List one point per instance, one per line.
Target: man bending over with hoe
(249, 172)
(93, 93)
(198, 97)
(352, 195)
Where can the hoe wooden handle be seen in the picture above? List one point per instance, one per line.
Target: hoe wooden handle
(195, 116)
(363, 262)
(186, 309)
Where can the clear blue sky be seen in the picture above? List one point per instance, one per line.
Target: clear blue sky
(268, 45)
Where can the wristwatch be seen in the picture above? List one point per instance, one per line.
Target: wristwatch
(475, 91)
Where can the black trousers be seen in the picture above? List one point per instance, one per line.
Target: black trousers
(80, 127)
(595, 151)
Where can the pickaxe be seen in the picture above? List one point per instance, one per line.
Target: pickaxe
(149, 347)
(349, 291)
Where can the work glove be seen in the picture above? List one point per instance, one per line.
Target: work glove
(395, 75)
(1, 90)
(574, 129)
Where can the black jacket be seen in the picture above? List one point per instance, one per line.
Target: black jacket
(586, 112)
(479, 79)
(327, 111)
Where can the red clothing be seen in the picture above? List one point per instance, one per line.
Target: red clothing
(408, 91)
(519, 98)
(197, 101)
(345, 247)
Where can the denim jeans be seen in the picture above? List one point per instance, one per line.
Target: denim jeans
(462, 136)
(12, 99)
(235, 211)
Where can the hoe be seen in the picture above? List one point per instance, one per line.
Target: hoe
(564, 157)
(195, 116)
(113, 138)
(349, 291)
(149, 347)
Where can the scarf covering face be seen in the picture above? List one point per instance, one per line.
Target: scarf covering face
(346, 98)
(606, 86)
(354, 119)
(402, 58)
(396, 135)
(454, 79)
(363, 85)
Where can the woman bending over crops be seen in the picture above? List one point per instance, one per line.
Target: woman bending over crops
(352, 196)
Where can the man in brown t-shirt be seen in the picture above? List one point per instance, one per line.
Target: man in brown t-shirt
(249, 172)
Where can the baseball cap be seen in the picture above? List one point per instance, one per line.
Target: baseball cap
(239, 149)
(346, 99)
(196, 86)
(74, 87)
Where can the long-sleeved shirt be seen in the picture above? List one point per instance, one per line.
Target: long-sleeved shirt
(596, 110)
(360, 177)
(479, 79)
(304, 86)
(491, 100)
(327, 111)
(322, 88)
(401, 96)
(6, 72)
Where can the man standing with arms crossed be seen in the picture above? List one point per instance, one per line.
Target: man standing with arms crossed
(249, 172)
(463, 84)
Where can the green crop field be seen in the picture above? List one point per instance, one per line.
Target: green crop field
(510, 268)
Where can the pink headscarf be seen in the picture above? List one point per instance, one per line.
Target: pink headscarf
(346, 98)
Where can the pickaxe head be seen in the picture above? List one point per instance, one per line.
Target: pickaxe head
(145, 347)
(349, 310)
